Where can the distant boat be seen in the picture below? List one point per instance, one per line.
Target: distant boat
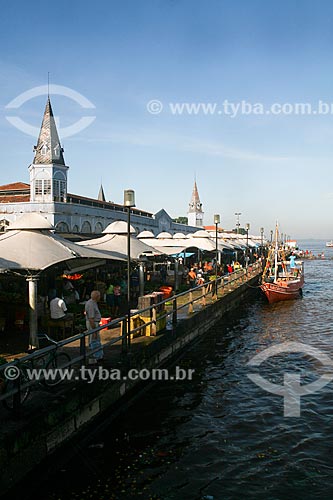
(329, 243)
(281, 279)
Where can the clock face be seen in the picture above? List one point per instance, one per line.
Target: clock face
(199, 216)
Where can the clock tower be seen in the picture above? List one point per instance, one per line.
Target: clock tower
(195, 213)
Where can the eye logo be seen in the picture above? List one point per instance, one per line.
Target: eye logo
(68, 131)
(291, 390)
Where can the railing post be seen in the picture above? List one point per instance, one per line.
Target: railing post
(17, 396)
(83, 350)
(214, 290)
(153, 325)
(124, 335)
(190, 306)
(174, 311)
(203, 292)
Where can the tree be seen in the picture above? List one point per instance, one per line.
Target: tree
(181, 220)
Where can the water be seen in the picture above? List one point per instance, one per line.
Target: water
(220, 436)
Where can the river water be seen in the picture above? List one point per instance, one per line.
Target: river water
(220, 436)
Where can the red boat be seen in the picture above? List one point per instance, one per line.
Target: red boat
(281, 279)
(283, 289)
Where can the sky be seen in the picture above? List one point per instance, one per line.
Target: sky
(123, 54)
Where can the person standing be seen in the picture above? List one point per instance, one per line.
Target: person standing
(116, 298)
(93, 318)
(110, 297)
(192, 276)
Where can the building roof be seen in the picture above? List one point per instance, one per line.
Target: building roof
(48, 149)
(15, 186)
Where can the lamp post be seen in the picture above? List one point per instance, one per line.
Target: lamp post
(216, 222)
(271, 235)
(262, 239)
(247, 227)
(237, 221)
(129, 202)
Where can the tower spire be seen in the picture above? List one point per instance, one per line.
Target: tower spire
(195, 213)
(195, 199)
(48, 149)
(101, 195)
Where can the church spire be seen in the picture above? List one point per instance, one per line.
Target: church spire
(195, 203)
(48, 150)
(195, 213)
(101, 195)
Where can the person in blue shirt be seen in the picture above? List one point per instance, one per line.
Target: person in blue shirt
(292, 262)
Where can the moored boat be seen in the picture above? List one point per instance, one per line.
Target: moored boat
(282, 279)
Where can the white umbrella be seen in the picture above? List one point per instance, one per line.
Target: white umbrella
(115, 240)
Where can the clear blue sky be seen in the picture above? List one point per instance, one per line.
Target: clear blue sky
(121, 54)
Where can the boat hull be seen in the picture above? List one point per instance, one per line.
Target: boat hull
(282, 290)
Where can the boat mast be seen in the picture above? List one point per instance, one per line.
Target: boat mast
(276, 253)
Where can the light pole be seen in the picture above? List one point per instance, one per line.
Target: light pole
(262, 239)
(129, 202)
(271, 235)
(237, 221)
(216, 222)
(247, 227)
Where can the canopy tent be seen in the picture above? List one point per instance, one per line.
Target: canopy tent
(29, 246)
(171, 251)
(115, 240)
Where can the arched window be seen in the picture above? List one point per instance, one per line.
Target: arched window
(98, 228)
(86, 227)
(42, 186)
(59, 187)
(62, 227)
(3, 225)
(75, 229)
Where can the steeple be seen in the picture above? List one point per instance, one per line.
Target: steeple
(195, 204)
(101, 195)
(48, 171)
(195, 213)
(48, 150)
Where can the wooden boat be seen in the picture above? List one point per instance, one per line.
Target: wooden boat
(281, 279)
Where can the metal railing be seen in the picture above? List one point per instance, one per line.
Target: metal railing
(170, 308)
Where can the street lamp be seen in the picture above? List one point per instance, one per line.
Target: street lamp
(237, 221)
(262, 239)
(247, 227)
(216, 222)
(271, 235)
(129, 202)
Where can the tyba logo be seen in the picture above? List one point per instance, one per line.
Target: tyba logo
(291, 390)
(68, 131)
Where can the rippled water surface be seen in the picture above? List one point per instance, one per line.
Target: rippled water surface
(220, 436)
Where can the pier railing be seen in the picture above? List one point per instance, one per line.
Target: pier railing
(177, 307)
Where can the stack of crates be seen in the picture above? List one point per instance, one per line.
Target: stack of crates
(147, 316)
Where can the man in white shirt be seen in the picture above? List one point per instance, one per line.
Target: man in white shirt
(58, 309)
